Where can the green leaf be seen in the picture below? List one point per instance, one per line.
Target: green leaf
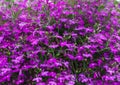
(10, 0)
(67, 37)
(96, 25)
(116, 2)
(80, 11)
(37, 70)
(15, 15)
(71, 16)
(79, 83)
(101, 7)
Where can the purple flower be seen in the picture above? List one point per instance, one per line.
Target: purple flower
(96, 74)
(80, 28)
(1, 38)
(53, 46)
(50, 27)
(41, 83)
(63, 20)
(52, 83)
(3, 61)
(38, 79)
(71, 56)
(92, 65)
(44, 73)
(60, 37)
(52, 74)
(79, 58)
(87, 55)
(70, 83)
(117, 59)
(62, 44)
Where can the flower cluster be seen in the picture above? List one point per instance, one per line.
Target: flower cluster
(63, 42)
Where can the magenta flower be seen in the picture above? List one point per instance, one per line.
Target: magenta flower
(3, 61)
(1, 38)
(92, 65)
(53, 46)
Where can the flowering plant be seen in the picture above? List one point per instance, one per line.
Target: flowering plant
(45, 42)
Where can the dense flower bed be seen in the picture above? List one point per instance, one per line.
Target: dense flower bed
(59, 42)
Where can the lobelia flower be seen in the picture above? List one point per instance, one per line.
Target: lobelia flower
(3, 61)
(63, 20)
(99, 62)
(52, 83)
(61, 79)
(71, 56)
(117, 59)
(52, 74)
(18, 59)
(96, 74)
(92, 65)
(79, 58)
(41, 83)
(70, 83)
(44, 73)
(87, 55)
(53, 46)
(1, 38)
(38, 79)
